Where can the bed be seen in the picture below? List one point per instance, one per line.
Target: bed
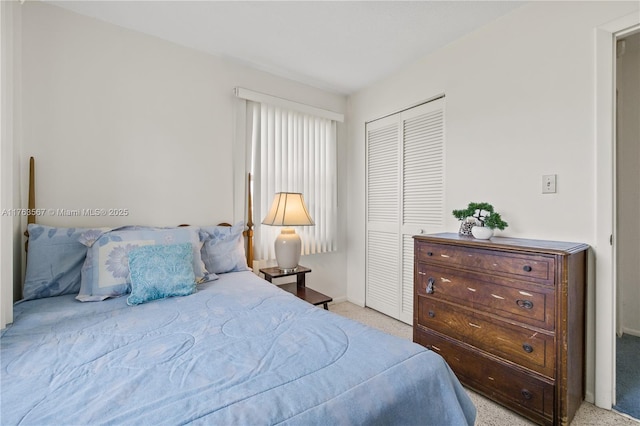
(237, 351)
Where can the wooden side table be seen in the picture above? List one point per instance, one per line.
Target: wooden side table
(298, 287)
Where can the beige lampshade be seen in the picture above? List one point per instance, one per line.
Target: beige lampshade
(288, 209)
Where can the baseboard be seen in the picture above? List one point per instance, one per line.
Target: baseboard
(631, 331)
(356, 302)
(589, 397)
(339, 300)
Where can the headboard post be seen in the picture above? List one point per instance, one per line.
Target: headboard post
(31, 204)
(31, 218)
(249, 231)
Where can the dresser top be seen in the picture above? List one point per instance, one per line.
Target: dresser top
(452, 238)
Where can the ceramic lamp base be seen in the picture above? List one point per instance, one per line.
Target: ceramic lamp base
(287, 246)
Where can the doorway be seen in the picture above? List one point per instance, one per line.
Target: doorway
(627, 226)
(603, 298)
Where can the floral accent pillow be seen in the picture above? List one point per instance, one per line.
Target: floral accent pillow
(54, 260)
(160, 271)
(105, 272)
(223, 249)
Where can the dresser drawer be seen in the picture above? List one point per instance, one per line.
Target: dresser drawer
(527, 267)
(525, 393)
(516, 300)
(530, 348)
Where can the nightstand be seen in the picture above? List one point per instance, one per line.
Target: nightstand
(298, 288)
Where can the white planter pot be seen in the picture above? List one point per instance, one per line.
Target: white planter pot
(481, 232)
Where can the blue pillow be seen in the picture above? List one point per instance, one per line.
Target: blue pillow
(54, 260)
(161, 271)
(105, 272)
(223, 248)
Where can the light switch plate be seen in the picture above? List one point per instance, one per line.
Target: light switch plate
(549, 184)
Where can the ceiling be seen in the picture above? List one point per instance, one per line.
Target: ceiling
(341, 46)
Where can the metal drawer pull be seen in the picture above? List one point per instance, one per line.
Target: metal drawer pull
(432, 314)
(526, 394)
(422, 273)
(527, 348)
(430, 287)
(429, 253)
(525, 304)
(527, 268)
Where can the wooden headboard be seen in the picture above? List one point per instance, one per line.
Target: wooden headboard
(248, 233)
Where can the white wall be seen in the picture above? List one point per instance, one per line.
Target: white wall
(6, 172)
(628, 185)
(118, 119)
(520, 103)
(11, 227)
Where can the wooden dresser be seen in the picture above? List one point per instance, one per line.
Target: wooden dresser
(508, 315)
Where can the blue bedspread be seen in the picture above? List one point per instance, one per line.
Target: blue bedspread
(240, 351)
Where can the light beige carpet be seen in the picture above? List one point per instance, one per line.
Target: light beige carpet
(489, 413)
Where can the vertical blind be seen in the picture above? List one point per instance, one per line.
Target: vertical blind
(293, 151)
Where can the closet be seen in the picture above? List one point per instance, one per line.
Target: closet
(404, 197)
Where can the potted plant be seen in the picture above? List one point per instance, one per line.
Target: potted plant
(479, 220)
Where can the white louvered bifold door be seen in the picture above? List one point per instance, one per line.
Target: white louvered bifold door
(383, 214)
(405, 197)
(422, 187)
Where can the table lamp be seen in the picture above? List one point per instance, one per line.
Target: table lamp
(288, 209)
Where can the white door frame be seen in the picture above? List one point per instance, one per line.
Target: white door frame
(605, 287)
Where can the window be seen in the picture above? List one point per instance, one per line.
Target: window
(293, 151)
